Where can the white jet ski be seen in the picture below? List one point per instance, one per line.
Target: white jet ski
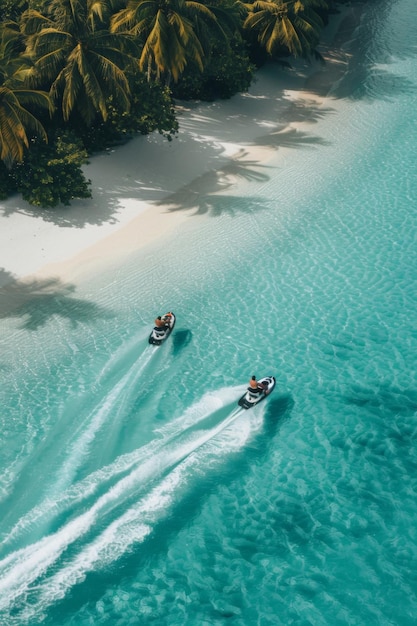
(254, 396)
(159, 334)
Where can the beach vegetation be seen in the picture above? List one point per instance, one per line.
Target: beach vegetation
(174, 33)
(76, 58)
(12, 9)
(19, 104)
(292, 26)
(151, 109)
(228, 72)
(79, 76)
(7, 185)
(17, 123)
(51, 175)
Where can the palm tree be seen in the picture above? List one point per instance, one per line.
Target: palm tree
(76, 56)
(17, 123)
(173, 33)
(292, 24)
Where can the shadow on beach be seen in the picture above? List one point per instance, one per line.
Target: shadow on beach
(77, 215)
(226, 140)
(216, 205)
(37, 300)
(291, 138)
(217, 141)
(203, 194)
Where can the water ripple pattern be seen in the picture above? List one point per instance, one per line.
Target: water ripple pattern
(133, 488)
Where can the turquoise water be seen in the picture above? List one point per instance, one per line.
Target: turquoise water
(134, 491)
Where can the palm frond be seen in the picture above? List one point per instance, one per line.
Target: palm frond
(14, 120)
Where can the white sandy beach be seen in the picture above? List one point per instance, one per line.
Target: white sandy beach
(135, 185)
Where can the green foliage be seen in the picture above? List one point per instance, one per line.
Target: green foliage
(19, 105)
(286, 24)
(174, 33)
(7, 182)
(228, 72)
(12, 9)
(151, 109)
(77, 58)
(87, 62)
(51, 174)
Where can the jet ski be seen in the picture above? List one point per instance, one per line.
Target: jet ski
(253, 396)
(159, 334)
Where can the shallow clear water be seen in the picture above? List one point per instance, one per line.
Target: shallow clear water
(133, 489)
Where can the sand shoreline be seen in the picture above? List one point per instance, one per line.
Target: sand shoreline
(139, 187)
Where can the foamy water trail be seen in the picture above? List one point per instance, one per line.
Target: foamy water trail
(129, 349)
(215, 399)
(96, 419)
(87, 487)
(22, 567)
(139, 520)
(10, 472)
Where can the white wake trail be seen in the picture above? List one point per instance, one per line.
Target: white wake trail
(79, 449)
(139, 520)
(24, 566)
(87, 487)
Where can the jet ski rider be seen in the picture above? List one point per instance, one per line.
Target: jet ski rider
(160, 323)
(163, 322)
(255, 387)
(167, 317)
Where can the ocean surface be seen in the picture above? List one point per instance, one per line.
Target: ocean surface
(133, 488)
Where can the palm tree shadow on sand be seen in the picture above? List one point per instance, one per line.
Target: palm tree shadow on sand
(290, 138)
(101, 209)
(203, 195)
(36, 301)
(201, 143)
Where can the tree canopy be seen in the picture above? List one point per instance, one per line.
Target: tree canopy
(98, 71)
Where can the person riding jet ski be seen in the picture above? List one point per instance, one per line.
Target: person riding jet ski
(163, 322)
(257, 391)
(168, 318)
(163, 327)
(255, 387)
